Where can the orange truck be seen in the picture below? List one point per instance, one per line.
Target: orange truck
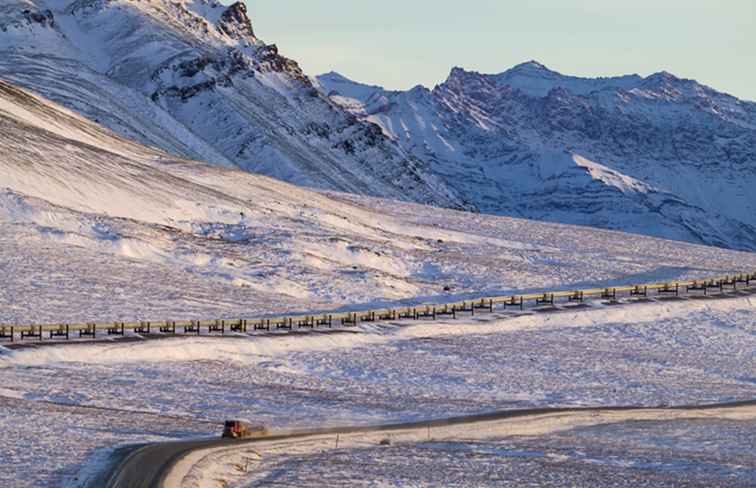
(238, 429)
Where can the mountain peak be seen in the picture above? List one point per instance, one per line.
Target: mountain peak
(526, 69)
(663, 74)
(535, 79)
(531, 65)
(235, 23)
(334, 83)
(457, 74)
(663, 77)
(336, 77)
(530, 69)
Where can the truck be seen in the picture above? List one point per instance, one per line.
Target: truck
(239, 429)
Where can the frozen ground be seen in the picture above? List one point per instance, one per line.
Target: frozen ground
(671, 352)
(691, 453)
(95, 228)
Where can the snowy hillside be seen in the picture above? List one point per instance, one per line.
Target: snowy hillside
(95, 227)
(162, 237)
(191, 78)
(659, 155)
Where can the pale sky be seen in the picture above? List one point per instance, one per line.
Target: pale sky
(402, 43)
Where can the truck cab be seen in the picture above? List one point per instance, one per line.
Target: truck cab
(238, 429)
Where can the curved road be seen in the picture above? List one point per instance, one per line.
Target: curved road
(147, 466)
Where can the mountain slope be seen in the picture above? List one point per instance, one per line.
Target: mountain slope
(96, 227)
(658, 155)
(191, 78)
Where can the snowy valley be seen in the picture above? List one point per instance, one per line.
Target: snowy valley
(147, 236)
(161, 162)
(95, 227)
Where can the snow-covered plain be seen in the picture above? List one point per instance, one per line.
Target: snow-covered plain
(690, 351)
(692, 453)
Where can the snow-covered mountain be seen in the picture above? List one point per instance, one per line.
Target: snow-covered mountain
(190, 77)
(659, 155)
(96, 227)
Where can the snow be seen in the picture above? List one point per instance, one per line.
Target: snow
(93, 227)
(169, 75)
(96, 227)
(517, 144)
(164, 238)
(622, 182)
(338, 85)
(698, 452)
(208, 9)
(668, 352)
(537, 80)
(166, 74)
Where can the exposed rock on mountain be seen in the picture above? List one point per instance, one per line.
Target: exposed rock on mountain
(235, 23)
(191, 77)
(659, 155)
